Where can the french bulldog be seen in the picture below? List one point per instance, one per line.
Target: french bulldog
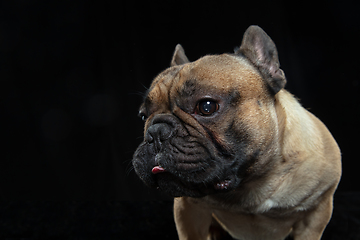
(225, 138)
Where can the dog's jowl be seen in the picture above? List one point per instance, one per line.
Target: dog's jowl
(234, 148)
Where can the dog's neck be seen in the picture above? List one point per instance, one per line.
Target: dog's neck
(295, 123)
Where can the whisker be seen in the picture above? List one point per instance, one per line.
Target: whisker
(128, 171)
(138, 93)
(129, 167)
(146, 88)
(141, 137)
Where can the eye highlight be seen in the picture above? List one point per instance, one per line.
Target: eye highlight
(207, 107)
(143, 116)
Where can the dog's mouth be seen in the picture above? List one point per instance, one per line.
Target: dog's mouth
(180, 167)
(183, 167)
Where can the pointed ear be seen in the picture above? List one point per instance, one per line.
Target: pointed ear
(258, 47)
(179, 56)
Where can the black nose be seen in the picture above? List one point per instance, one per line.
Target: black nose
(157, 134)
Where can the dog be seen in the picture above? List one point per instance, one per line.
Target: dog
(234, 148)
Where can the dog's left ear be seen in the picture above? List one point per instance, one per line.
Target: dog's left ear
(258, 47)
(179, 56)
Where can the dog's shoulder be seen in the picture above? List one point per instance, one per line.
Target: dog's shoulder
(308, 145)
(302, 129)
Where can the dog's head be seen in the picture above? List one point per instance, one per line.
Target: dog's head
(211, 125)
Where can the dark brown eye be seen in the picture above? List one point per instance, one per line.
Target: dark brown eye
(207, 107)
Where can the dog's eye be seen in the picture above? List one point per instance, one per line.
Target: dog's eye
(142, 116)
(207, 107)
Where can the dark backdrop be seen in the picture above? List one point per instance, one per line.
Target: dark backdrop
(72, 73)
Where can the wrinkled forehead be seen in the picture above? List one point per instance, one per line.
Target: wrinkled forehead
(161, 85)
(214, 73)
(224, 72)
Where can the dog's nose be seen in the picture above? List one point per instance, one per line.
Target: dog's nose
(158, 133)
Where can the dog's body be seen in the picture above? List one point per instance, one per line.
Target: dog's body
(225, 139)
(296, 198)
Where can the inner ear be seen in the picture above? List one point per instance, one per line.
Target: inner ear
(179, 56)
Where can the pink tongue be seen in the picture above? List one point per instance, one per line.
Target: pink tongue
(157, 169)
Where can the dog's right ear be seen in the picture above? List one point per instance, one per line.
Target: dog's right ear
(179, 56)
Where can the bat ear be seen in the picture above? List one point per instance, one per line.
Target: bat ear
(179, 56)
(258, 47)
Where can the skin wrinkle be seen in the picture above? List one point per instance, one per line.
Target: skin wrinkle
(221, 147)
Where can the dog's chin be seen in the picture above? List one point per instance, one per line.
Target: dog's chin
(173, 186)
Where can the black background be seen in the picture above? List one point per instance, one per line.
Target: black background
(73, 73)
(72, 77)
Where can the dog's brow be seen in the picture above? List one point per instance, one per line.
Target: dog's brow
(234, 97)
(188, 89)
